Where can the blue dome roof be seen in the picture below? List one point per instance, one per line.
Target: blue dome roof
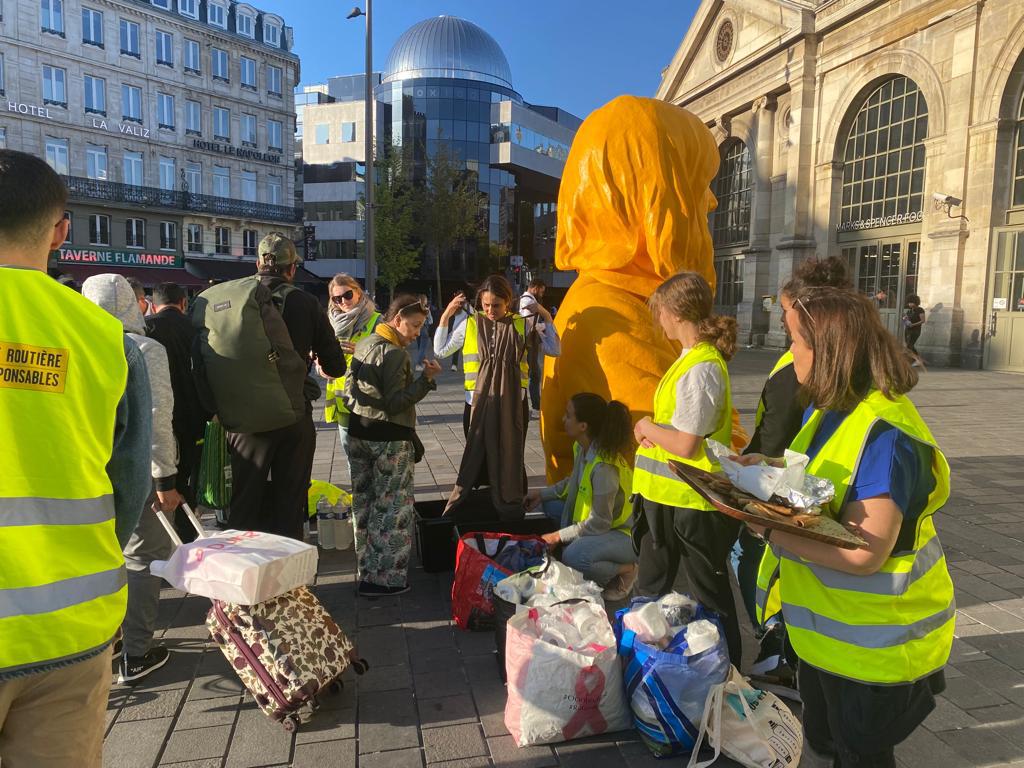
(448, 46)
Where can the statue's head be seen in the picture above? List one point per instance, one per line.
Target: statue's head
(635, 193)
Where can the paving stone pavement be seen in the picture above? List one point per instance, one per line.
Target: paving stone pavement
(433, 697)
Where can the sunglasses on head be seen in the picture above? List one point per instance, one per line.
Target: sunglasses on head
(346, 296)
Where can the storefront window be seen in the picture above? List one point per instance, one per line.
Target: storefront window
(1008, 293)
(729, 281)
(730, 224)
(883, 171)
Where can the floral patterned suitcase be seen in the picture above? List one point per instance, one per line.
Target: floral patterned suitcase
(286, 651)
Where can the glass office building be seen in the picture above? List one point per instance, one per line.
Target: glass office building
(447, 85)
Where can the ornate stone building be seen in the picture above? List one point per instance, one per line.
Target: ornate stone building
(171, 121)
(839, 124)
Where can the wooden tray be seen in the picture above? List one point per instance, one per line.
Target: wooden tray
(818, 528)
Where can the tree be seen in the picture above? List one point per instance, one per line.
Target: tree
(451, 207)
(394, 206)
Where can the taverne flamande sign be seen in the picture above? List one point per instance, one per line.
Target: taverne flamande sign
(113, 258)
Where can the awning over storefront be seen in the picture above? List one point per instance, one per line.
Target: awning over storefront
(214, 270)
(149, 277)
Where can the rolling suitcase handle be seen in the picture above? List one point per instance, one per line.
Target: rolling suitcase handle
(175, 538)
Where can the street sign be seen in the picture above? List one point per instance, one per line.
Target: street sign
(310, 233)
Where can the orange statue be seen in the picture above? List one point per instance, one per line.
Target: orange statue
(632, 211)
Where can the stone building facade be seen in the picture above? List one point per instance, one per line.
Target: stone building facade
(839, 124)
(171, 120)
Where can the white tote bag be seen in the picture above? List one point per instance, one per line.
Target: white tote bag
(243, 567)
(751, 726)
(564, 677)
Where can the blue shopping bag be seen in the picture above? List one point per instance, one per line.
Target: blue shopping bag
(667, 689)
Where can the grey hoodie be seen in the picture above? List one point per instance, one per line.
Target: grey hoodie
(113, 293)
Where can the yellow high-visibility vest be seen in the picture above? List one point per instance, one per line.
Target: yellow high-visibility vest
(652, 477)
(584, 504)
(336, 410)
(471, 352)
(783, 362)
(892, 626)
(62, 374)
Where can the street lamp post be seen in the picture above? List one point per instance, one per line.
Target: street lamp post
(371, 261)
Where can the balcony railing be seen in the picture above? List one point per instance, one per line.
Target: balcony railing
(151, 197)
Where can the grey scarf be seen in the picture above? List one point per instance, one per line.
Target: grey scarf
(347, 324)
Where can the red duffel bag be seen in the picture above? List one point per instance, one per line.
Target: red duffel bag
(481, 561)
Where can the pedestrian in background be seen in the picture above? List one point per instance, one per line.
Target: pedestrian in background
(913, 321)
(149, 540)
(353, 317)
(872, 627)
(145, 303)
(529, 303)
(75, 415)
(170, 327)
(383, 448)
(422, 347)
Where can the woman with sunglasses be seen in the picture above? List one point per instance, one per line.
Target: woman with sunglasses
(383, 448)
(353, 316)
(778, 418)
(872, 627)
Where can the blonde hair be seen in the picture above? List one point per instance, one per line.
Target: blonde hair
(687, 296)
(342, 280)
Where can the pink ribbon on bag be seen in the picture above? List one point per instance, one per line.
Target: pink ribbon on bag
(589, 690)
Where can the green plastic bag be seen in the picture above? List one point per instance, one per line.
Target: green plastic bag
(215, 469)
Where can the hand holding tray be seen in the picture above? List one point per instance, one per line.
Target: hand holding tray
(719, 491)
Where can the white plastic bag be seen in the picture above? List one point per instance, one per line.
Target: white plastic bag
(751, 726)
(550, 584)
(244, 567)
(564, 677)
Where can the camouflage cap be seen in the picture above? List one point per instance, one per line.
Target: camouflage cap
(276, 250)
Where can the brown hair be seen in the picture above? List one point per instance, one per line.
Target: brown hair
(688, 296)
(405, 305)
(819, 273)
(342, 280)
(609, 424)
(853, 351)
(498, 285)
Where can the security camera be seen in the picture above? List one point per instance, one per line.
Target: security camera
(941, 199)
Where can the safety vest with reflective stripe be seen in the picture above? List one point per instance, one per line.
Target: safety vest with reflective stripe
(892, 626)
(471, 352)
(62, 373)
(783, 362)
(336, 410)
(652, 477)
(584, 504)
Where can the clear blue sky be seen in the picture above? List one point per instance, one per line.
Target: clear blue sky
(575, 54)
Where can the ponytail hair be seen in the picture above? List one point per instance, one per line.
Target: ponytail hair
(688, 296)
(405, 305)
(609, 424)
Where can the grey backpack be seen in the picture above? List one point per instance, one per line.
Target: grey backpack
(246, 366)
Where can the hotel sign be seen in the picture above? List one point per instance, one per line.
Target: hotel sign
(29, 109)
(244, 154)
(113, 258)
(913, 217)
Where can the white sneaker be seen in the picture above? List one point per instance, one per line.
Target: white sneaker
(534, 414)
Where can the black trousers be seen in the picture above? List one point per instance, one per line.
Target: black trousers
(699, 543)
(189, 454)
(270, 478)
(859, 724)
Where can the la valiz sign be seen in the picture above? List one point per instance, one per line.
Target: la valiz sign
(112, 258)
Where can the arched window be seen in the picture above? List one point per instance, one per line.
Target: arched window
(730, 223)
(883, 169)
(1018, 162)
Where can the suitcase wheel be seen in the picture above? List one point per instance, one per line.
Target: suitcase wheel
(291, 723)
(361, 666)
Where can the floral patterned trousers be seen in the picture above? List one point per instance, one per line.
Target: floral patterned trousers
(382, 505)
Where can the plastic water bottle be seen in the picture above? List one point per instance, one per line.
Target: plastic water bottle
(325, 523)
(343, 531)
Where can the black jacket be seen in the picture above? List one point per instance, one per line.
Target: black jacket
(174, 330)
(783, 414)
